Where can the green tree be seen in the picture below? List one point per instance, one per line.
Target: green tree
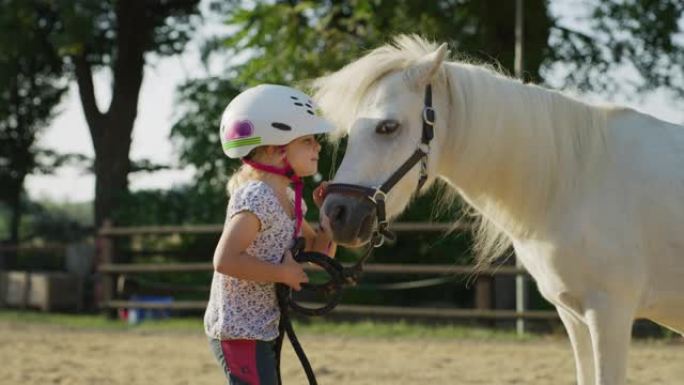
(116, 35)
(30, 88)
(643, 37)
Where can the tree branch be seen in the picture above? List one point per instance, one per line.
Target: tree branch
(84, 78)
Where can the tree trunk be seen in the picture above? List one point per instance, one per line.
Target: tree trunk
(111, 131)
(112, 165)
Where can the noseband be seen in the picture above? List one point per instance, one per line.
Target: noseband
(377, 195)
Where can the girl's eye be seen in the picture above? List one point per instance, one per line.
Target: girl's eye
(311, 140)
(387, 127)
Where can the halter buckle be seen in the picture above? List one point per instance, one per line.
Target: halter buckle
(378, 240)
(378, 195)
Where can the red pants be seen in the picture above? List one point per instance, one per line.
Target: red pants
(246, 362)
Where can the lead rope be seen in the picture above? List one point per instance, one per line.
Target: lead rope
(283, 292)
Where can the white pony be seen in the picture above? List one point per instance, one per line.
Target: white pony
(590, 197)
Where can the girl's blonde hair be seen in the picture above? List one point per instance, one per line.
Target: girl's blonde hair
(245, 173)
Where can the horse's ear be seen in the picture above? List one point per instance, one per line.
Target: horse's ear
(425, 69)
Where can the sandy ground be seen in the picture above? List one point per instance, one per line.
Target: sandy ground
(33, 354)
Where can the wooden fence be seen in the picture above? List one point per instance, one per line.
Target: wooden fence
(109, 271)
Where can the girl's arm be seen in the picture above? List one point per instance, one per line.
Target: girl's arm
(231, 259)
(318, 240)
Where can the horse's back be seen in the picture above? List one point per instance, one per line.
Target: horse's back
(644, 174)
(635, 210)
(650, 146)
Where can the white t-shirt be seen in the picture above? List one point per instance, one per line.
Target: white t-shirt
(243, 309)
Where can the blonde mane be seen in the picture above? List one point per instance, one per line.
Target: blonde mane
(510, 165)
(339, 94)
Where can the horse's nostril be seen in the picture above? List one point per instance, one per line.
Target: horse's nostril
(338, 214)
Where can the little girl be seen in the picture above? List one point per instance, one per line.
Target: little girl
(271, 129)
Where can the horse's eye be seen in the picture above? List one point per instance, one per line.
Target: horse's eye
(387, 127)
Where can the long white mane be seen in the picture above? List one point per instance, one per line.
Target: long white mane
(512, 164)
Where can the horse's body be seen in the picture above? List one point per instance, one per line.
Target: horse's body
(591, 198)
(622, 232)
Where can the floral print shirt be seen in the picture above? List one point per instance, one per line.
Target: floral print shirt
(243, 309)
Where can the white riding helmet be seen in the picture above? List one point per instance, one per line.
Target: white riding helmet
(268, 114)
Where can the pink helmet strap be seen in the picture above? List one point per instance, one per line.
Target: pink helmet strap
(287, 171)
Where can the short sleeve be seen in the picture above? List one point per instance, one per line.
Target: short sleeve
(256, 198)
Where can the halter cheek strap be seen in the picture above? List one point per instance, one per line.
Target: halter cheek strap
(297, 182)
(376, 195)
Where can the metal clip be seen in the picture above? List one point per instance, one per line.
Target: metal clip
(378, 240)
(378, 195)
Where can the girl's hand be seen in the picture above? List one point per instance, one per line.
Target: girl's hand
(293, 274)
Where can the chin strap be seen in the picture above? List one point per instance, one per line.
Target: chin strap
(297, 182)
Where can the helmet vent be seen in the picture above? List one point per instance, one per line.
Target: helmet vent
(299, 104)
(310, 112)
(294, 98)
(281, 126)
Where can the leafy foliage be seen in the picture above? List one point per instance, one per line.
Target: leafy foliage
(30, 88)
(643, 38)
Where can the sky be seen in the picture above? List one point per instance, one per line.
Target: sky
(69, 131)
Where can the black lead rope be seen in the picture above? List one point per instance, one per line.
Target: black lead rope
(285, 327)
(339, 277)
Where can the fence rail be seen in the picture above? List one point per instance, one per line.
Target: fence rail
(363, 310)
(212, 229)
(379, 268)
(110, 270)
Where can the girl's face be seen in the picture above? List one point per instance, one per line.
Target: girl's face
(302, 153)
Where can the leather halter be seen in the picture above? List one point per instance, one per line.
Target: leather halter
(377, 195)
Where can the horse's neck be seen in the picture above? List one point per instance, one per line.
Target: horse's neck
(512, 147)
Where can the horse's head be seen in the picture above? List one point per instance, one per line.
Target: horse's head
(382, 115)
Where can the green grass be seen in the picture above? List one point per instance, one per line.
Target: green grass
(362, 329)
(98, 322)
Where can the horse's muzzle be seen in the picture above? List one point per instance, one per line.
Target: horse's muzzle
(352, 218)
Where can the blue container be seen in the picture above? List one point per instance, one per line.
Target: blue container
(136, 315)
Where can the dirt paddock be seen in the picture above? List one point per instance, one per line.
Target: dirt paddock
(34, 354)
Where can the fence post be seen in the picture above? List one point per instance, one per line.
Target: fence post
(105, 255)
(483, 293)
(520, 284)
